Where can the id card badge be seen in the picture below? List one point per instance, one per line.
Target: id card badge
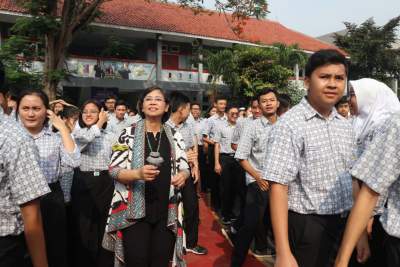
(96, 173)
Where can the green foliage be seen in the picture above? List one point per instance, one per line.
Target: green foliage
(118, 48)
(370, 49)
(248, 70)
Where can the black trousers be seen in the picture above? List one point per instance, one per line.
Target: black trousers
(257, 203)
(376, 244)
(148, 244)
(392, 250)
(315, 239)
(204, 171)
(191, 213)
(231, 185)
(12, 250)
(213, 180)
(54, 225)
(90, 203)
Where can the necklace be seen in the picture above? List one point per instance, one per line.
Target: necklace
(155, 157)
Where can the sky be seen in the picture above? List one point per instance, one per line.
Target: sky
(319, 17)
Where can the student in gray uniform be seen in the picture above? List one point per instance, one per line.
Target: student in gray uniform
(250, 153)
(310, 153)
(226, 166)
(180, 110)
(22, 184)
(379, 169)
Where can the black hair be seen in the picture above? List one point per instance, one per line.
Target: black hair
(3, 89)
(80, 120)
(284, 100)
(69, 112)
(220, 97)
(195, 104)
(142, 97)
(110, 97)
(342, 100)
(267, 91)
(177, 100)
(36, 92)
(324, 57)
(208, 111)
(120, 102)
(231, 107)
(254, 98)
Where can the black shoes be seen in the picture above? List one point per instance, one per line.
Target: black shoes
(198, 250)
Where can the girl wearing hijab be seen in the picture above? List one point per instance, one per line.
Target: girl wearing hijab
(372, 103)
(149, 165)
(55, 150)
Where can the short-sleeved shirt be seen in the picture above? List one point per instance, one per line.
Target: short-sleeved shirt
(95, 146)
(212, 123)
(253, 144)
(53, 155)
(312, 155)
(361, 146)
(185, 129)
(21, 179)
(198, 126)
(379, 168)
(240, 125)
(223, 136)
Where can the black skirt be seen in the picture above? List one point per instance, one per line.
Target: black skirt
(91, 196)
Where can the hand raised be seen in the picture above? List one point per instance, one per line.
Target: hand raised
(56, 121)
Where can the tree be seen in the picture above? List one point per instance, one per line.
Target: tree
(53, 24)
(248, 70)
(370, 49)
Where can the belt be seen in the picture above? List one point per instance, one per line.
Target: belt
(228, 154)
(95, 173)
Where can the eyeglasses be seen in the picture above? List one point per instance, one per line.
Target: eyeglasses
(156, 99)
(87, 112)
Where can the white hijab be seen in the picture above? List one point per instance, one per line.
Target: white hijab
(376, 102)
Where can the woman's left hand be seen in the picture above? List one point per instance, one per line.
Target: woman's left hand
(179, 179)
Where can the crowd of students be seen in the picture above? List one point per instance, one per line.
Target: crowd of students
(311, 185)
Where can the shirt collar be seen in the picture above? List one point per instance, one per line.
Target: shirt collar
(309, 112)
(264, 121)
(45, 131)
(171, 124)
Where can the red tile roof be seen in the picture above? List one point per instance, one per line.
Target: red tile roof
(172, 18)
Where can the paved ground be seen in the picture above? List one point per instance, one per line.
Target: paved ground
(219, 248)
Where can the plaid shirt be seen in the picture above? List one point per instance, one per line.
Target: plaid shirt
(186, 130)
(95, 145)
(240, 125)
(361, 146)
(252, 144)
(53, 155)
(212, 123)
(379, 168)
(313, 156)
(223, 136)
(21, 179)
(198, 126)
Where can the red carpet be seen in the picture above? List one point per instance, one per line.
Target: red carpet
(219, 249)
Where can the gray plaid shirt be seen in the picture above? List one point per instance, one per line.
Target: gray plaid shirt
(212, 123)
(313, 156)
(21, 179)
(379, 168)
(252, 145)
(95, 145)
(53, 155)
(223, 136)
(186, 130)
